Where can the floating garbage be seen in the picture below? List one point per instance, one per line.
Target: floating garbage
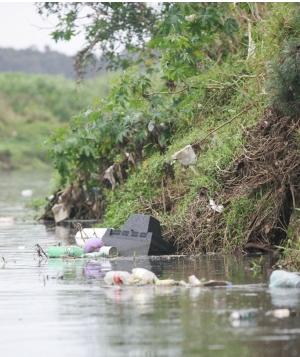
(243, 314)
(194, 281)
(284, 279)
(73, 251)
(216, 283)
(167, 282)
(59, 251)
(140, 235)
(26, 193)
(92, 245)
(7, 221)
(141, 276)
(107, 252)
(118, 278)
(87, 233)
(280, 313)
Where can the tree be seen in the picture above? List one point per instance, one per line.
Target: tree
(186, 36)
(116, 29)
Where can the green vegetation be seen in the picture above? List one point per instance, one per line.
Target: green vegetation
(32, 107)
(206, 86)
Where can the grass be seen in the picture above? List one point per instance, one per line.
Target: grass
(143, 188)
(32, 107)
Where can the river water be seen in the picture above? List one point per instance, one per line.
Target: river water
(62, 308)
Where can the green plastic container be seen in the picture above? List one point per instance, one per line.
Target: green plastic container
(65, 251)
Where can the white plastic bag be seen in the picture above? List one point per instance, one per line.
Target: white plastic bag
(143, 276)
(118, 278)
(284, 279)
(186, 156)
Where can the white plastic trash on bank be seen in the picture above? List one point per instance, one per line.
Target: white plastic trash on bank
(284, 279)
(186, 156)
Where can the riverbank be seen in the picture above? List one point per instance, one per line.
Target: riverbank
(241, 189)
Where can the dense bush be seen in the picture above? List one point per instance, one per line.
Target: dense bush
(149, 104)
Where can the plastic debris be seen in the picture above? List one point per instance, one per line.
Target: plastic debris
(143, 276)
(87, 233)
(118, 278)
(166, 282)
(26, 193)
(194, 281)
(71, 251)
(215, 207)
(183, 283)
(243, 314)
(60, 212)
(216, 283)
(92, 245)
(107, 252)
(7, 221)
(191, 18)
(186, 156)
(284, 279)
(251, 43)
(280, 313)
(109, 175)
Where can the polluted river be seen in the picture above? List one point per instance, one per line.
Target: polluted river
(63, 308)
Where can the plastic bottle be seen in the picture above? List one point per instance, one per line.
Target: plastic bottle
(284, 279)
(65, 251)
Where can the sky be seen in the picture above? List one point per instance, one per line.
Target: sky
(22, 27)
